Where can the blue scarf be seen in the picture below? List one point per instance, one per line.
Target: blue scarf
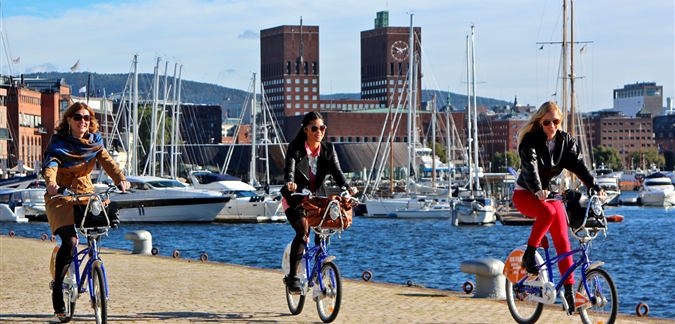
(66, 151)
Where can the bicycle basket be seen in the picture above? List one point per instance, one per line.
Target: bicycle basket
(576, 213)
(94, 218)
(329, 212)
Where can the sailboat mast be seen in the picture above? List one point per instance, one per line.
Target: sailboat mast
(132, 146)
(410, 105)
(433, 140)
(265, 138)
(251, 172)
(468, 112)
(166, 81)
(153, 121)
(572, 127)
(564, 66)
(475, 108)
(177, 126)
(172, 172)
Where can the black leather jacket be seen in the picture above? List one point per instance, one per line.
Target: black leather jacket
(538, 167)
(297, 170)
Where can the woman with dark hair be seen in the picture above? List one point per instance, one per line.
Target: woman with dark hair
(545, 151)
(308, 161)
(69, 159)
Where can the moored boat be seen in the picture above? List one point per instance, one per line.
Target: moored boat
(656, 190)
(153, 199)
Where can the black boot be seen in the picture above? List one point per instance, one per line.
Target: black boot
(529, 262)
(57, 299)
(569, 297)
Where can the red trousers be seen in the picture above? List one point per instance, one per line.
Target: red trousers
(549, 216)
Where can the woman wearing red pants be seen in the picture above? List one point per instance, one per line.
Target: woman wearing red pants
(545, 150)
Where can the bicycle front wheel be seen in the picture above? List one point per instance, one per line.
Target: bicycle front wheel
(99, 302)
(606, 305)
(523, 309)
(328, 302)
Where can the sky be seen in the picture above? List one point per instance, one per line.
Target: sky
(217, 41)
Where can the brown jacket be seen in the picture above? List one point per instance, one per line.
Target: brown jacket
(78, 179)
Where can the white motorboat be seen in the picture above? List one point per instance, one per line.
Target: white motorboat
(474, 209)
(25, 203)
(7, 215)
(431, 210)
(153, 199)
(244, 199)
(656, 190)
(389, 207)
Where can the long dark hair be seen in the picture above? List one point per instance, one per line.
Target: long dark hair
(301, 137)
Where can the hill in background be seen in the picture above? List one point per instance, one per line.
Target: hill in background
(212, 94)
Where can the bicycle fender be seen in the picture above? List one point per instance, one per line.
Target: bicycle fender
(594, 265)
(513, 267)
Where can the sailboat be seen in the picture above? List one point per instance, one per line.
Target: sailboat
(473, 206)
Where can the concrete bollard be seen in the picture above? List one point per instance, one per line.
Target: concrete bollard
(490, 279)
(142, 241)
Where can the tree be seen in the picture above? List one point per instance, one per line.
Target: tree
(649, 157)
(440, 151)
(512, 159)
(607, 156)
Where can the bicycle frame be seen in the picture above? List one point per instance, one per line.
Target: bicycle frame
(317, 254)
(539, 288)
(92, 251)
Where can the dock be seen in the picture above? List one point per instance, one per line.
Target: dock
(161, 289)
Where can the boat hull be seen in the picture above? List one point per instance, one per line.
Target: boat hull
(153, 210)
(237, 207)
(471, 212)
(656, 199)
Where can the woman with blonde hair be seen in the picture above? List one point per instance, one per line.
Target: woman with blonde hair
(70, 157)
(545, 150)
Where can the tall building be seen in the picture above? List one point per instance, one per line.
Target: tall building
(633, 97)
(385, 62)
(289, 69)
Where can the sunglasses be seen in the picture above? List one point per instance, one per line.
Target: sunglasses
(548, 122)
(78, 117)
(316, 128)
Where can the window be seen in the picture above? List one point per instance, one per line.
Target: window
(314, 89)
(305, 89)
(297, 81)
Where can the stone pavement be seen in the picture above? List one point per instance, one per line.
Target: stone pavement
(155, 289)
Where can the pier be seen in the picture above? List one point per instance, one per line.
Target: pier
(151, 289)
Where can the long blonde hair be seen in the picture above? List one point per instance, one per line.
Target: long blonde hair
(534, 125)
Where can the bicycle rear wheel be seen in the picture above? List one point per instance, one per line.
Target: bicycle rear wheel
(328, 302)
(606, 307)
(99, 302)
(70, 305)
(523, 309)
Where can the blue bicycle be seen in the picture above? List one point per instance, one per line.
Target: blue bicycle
(316, 270)
(596, 297)
(92, 220)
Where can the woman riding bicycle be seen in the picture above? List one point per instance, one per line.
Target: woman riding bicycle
(545, 150)
(69, 159)
(308, 161)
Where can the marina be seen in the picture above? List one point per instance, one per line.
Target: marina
(425, 252)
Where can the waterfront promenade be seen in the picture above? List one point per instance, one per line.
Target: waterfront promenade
(155, 289)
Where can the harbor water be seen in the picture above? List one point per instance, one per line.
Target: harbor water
(637, 252)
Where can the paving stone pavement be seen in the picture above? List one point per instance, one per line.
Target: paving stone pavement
(155, 289)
